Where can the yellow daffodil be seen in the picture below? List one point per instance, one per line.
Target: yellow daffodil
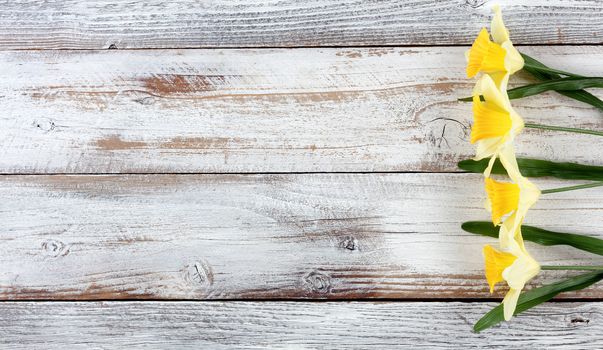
(514, 265)
(507, 198)
(499, 58)
(510, 198)
(495, 122)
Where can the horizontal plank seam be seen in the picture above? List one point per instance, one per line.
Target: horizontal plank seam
(241, 173)
(289, 47)
(299, 300)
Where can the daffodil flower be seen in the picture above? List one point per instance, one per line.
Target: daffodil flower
(495, 122)
(512, 199)
(498, 58)
(514, 265)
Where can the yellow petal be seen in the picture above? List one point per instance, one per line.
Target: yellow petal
(485, 56)
(506, 237)
(488, 147)
(489, 167)
(495, 262)
(486, 86)
(509, 162)
(510, 303)
(503, 197)
(523, 269)
(500, 33)
(528, 196)
(513, 60)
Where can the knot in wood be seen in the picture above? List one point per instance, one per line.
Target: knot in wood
(55, 248)
(475, 3)
(578, 320)
(44, 124)
(318, 282)
(199, 274)
(349, 243)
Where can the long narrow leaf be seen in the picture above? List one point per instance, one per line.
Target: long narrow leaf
(580, 95)
(562, 84)
(540, 236)
(571, 85)
(537, 296)
(534, 65)
(539, 168)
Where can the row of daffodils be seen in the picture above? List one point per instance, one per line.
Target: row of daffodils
(493, 60)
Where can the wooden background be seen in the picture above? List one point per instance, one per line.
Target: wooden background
(271, 174)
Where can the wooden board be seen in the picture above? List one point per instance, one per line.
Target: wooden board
(328, 236)
(285, 110)
(292, 325)
(102, 24)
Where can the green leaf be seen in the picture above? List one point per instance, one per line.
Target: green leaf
(469, 99)
(562, 84)
(540, 236)
(538, 70)
(534, 65)
(537, 296)
(539, 168)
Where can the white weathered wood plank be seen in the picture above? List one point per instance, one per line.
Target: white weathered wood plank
(262, 236)
(98, 24)
(285, 110)
(292, 325)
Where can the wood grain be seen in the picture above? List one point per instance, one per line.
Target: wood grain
(282, 110)
(326, 236)
(102, 24)
(292, 325)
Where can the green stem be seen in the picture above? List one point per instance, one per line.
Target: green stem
(571, 188)
(543, 68)
(571, 267)
(561, 128)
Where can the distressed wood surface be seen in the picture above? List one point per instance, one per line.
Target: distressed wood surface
(282, 110)
(101, 24)
(292, 325)
(332, 236)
